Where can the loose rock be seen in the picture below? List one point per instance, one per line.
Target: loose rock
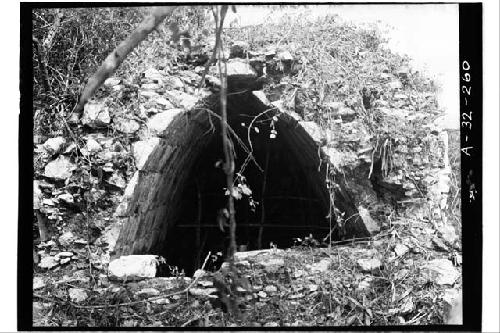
(112, 81)
(368, 265)
(66, 197)
(61, 168)
(66, 238)
(142, 149)
(48, 262)
(38, 283)
(322, 266)
(160, 121)
(203, 292)
(135, 267)
(270, 289)
(96, 115)
(125, 125)
(77, 295)
(117, 180)
(441, 271)
(401, 250)
(54, 145)
(148, 292)
(165, 103)
(273, 265)
(65, 254)
(370, 224)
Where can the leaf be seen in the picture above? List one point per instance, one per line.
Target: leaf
(237, 193)
(245, 189)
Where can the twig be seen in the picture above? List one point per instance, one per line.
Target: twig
(263, 211)
(238, 139)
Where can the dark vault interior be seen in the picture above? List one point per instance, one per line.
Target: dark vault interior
(181, 190)
(289, 197)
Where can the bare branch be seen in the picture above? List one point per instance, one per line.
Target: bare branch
(119, 54)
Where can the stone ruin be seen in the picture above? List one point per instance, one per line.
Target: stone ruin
(313, 175)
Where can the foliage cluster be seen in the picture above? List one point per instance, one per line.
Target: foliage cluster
(68, 44)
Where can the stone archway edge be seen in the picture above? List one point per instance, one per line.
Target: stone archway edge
(143, 150)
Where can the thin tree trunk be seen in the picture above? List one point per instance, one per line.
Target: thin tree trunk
(41, 65)
(198, 222)
(119, 54)
(263, 207)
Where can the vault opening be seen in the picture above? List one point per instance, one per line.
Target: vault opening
(180, 191)
(287, 198)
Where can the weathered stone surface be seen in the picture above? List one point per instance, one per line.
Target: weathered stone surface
(202, 292)
(401, 250)
(54, 145)
(77, 295)
(112, 81)
(238, 66)
(439, 244)
(160, 121)
(453, 299)
(38, 283)
(441, 271)
(37, 194)
(152, 74)
(125, 125)
(393, 112)
(148, 292)
(181, 99)
(339, 158)
(173, 82)
(368, 265)
(142, 149)
(346, 113)
(96, 115)
(135, 267)
(150, 86)
(66, 197)
(111, 234)
(65, 254)
(256, 254)
(117, 180)
(313, 130)
(92, 146)
(322, 266)
(270, 289)
(148, 93)
(61, 168)
(48, 262)
(448, 234)
(199, 273)
(365, 283)
(335, 106)
(395, 84)
(371, 225)
(122, 208)
(273, 265)
(67, 238)
(165, 103)
(39, 312)
(400, 96)
(261, 96)
(284, 56)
